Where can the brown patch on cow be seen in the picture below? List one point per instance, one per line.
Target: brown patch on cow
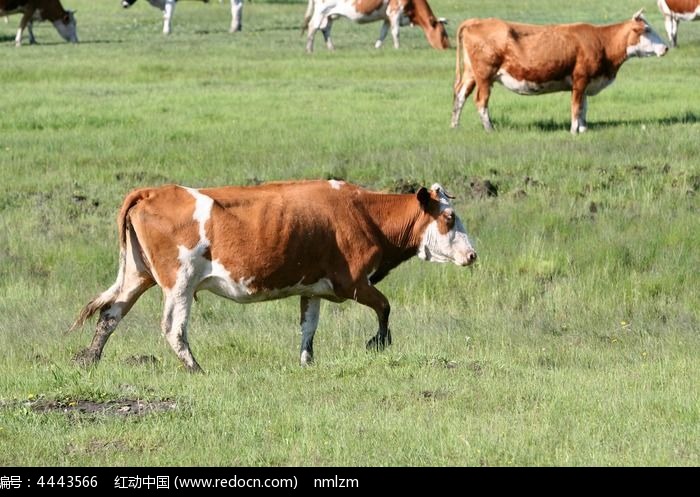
(367, 6)
(121, 407)
(683, 6)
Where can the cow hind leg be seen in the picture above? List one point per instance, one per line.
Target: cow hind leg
(671, 25)
(326, 30)
(481, 98)
(382, 34)
(176, 315)
(114, 304)
(236, 16)
(463, 89)
(168, 10)
(310, 309)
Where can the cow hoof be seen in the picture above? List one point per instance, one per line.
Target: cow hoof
(194, 368)
(306, 358)
(85, 358)
(378, 342)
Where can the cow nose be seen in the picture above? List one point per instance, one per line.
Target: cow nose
(471, 257)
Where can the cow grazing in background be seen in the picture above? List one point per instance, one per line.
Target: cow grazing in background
(531, 60)
(315, 239)
(675, 11)
(168, 8)
(321, 13)
(40, 10)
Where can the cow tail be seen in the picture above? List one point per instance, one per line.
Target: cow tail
(307, 16)
(460, 56)
(109, 296)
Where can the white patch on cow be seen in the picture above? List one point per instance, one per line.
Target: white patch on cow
(67, 31)
(306, 358)
(335, 184)
(202, 213)
(649, 44)
(453, 246)
(168, 10)
(523, 87)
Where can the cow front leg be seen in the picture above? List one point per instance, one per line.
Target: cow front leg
(326, 30)
(578, 109)
(236, 16)
(671, 24)
(395, 23)
(168, 10)
(30, 31)
(310, 310)
(382, 34)
(26, 19)
(176, 314)
(369, 296)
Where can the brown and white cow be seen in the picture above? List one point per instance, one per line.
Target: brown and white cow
(321, 13)
(315, 239)
(168, 8)
(675, 11)
(531, 60)
(40, 10)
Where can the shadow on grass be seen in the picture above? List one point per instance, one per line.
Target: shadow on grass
(684, 118)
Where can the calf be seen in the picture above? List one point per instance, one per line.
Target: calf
(675, 11)
(40, 10)
(531, 60)
(315, 239)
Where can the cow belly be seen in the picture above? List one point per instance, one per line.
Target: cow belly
(523, 87)
(348, 10)
(598, 84)
(244, 291)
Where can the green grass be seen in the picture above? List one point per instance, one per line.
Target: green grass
(573, 341)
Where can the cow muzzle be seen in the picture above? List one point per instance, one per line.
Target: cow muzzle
(467, 260)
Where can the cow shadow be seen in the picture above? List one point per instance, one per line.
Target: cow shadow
(551, 125)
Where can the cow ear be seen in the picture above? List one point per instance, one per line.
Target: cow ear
(639, 15)
(423, 196)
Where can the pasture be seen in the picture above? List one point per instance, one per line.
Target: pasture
(574, 339)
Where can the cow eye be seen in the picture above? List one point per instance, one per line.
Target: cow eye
(450, 218)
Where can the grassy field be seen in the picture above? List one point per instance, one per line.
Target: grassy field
(573, 341)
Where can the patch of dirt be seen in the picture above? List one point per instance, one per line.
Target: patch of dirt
(483, 188)
(121, 407)
(142, 360)
(434, 394)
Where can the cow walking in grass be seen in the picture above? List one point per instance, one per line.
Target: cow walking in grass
(531, 60)
(675, 11)
(394, 13)
(40, 10)
(314, 239)
(168, 8)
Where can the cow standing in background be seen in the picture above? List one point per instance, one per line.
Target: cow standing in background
(168, 7)
(675, 11)
(40, 10)
(315, 239)
(395, 13)
(531, 60)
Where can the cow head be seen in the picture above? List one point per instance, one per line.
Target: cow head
(436, 33)
(128, 3)
(66, 26)
(642, 40)
(444, 238)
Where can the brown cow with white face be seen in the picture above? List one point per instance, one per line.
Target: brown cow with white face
(531, 60)
(40, 10)
(315, 239)
(675, 11)
(321, 13)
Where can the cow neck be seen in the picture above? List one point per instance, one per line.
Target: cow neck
(397, 217)
(616, 45)
(421, 14)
